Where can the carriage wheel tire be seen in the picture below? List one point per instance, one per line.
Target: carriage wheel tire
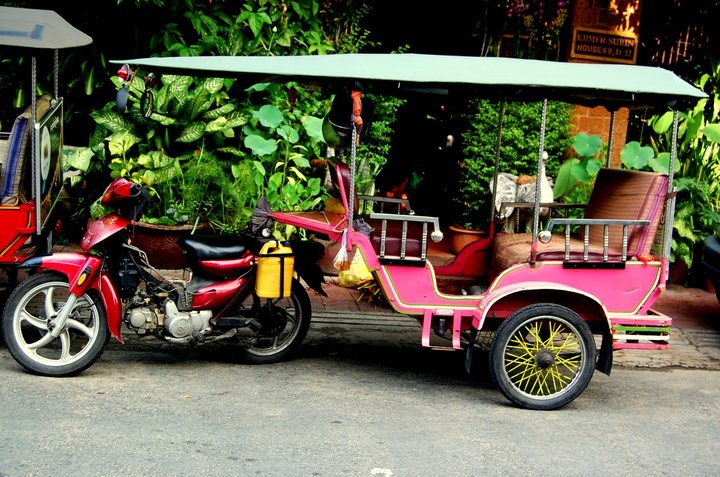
(543, 356)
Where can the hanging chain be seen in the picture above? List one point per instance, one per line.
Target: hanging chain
(351, 192)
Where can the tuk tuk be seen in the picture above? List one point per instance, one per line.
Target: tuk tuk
(553, 303)
(31, 175)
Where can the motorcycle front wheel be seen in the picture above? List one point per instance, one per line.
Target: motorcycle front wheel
(285, 323)
(29, 317)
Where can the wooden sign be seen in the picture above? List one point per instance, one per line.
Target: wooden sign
(604, 45)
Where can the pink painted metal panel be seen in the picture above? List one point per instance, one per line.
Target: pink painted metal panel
(317, 221)
(618, 290)
(411, 289)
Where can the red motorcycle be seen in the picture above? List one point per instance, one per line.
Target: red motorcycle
(242, 288)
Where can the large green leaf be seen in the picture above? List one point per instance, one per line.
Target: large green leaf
(80, 158)
(258, 87)
(284, 38)
(218, 124)
(270, 116)
(213, 85)
(223, 110)
(565, 181)
(590, 165)
(635, 156)
(259, 145)
(177, 90)
(313, 127)
(112, 120)
(662, 124)
(199, 104)
(661, 163)
(275, 181)
(579, 171)
(712, 132)
(192, 132)
(587, 145)
(120, 143)
(257, 21)
(237, 121)
(288, 133)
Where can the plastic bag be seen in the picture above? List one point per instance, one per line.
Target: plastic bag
(341, 260)
(356, 275)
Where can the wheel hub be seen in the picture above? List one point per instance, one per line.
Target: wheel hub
(544, 359)
(274, 321)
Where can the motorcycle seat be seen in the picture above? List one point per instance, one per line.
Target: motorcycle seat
(220, 247)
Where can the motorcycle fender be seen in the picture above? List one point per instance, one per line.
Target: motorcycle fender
(111, 300)
(83, 272)
(99, 230)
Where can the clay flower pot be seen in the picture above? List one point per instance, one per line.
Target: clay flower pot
(160, 243)
(460, 237)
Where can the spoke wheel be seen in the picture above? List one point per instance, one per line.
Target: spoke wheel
(285, 323)
(29, 318)
(543, 357)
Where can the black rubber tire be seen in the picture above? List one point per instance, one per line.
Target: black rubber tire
(285, 343)
(25, 321)
(543, 356)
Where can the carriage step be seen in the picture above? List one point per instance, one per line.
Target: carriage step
(650, 331)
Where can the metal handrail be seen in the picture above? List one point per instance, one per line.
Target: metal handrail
(546, 235)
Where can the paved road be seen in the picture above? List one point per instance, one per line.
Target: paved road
(352, 404)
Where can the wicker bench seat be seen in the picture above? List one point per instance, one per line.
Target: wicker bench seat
(619, 224)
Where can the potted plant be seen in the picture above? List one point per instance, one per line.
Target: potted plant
(207, 159)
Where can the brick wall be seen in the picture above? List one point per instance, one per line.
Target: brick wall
(597, 121)
(622, 16)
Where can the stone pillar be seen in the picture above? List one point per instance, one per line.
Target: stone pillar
(604, 31)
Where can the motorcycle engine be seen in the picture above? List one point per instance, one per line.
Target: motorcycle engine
(142, 320)
(181, 326)
(185, 325)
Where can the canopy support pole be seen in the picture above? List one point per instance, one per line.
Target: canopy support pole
(610, 137)
(501, 117)
(670, 201)
(541, 166)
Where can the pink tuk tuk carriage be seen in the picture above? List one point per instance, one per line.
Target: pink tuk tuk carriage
(553, 303)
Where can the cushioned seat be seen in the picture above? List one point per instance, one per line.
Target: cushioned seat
(18, 149)
(393, 238)
(618, 194)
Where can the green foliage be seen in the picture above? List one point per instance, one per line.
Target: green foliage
(519, 151)
(580, 169)
(282, 139)
(253, 27)
(576, 176)
(207, 155)
(177, 151)
(591, 154)
(208, 158)
(698, 170)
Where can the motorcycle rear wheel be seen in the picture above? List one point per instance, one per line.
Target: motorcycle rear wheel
(27, 319)
(284, 328)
